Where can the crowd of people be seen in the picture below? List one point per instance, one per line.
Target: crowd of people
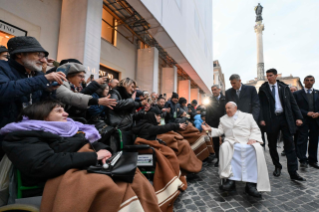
(53, 123)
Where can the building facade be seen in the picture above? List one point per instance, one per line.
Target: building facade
(219, 76)
(289, 80)
(165, 45)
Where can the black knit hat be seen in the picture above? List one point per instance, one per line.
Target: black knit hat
(3, 49)
(174, 95)
(22, 44)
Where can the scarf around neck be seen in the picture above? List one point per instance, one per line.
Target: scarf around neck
(63, 129)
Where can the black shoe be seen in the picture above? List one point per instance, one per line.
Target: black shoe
(217, 163)
(229, 185)
(314, 165)
(251, 190)
(277, 172)
(296, 176)
(283, 153)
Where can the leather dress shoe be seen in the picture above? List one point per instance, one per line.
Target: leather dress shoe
(251, 190)
(277, 172)
(229, 185)
(314, 165)
(296, 176)
(303, 165)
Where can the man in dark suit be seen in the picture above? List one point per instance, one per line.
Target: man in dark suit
(280, 112)
(245, 96)
(214, 111)
(308, 102)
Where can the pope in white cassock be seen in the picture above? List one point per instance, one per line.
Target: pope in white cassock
(241, 156)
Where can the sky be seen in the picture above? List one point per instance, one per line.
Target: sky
(290, 38)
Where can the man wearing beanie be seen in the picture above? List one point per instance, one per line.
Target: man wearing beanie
(3, 53)
(21, 79)
(176, 110)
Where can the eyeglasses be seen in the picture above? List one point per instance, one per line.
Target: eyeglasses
(41, 55)
(81, 76)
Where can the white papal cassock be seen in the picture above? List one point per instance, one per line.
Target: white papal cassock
(238, 160)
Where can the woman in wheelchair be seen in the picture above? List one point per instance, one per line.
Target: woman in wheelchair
(148, 127)
(45, 142)
(49, 148)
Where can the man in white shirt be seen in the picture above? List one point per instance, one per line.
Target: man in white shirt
(241, 156)
(280, 112)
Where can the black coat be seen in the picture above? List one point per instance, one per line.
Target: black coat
(303, 104)
(15, 89)
(122, 113)
(41, 155)
(248, 101)
(215, 110)
(267, 102)
(149, 131)
(174, 108)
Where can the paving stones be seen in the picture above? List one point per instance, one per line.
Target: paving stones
(203, 193)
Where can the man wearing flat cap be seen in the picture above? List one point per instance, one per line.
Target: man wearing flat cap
(21, 79)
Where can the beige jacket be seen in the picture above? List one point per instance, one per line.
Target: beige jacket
(241, 131)
(68, 97)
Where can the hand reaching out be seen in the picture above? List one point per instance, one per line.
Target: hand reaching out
(107, 102)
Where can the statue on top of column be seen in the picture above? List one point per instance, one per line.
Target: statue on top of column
(258, 10)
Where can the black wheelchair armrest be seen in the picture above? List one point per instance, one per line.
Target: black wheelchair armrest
(136, 147)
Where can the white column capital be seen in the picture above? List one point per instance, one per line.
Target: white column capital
(259, 27)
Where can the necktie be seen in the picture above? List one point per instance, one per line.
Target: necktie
(308, 91)
(273, 92)
(238, 92)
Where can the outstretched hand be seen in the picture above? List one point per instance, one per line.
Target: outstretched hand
(107, 102)
(206, 127)
(182, 126)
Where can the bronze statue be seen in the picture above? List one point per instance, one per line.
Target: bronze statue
(258, 10)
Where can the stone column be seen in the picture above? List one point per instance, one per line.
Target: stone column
(194, 94)
(169, 81)
(80, 33)
(184, 89)
(147, 69)
(259, 27)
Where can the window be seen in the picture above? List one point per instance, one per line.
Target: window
(109, 73)
(8, 31)
(108, 31)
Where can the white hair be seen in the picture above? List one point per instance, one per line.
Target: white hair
(233, 103)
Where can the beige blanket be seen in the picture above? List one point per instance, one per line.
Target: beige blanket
(80, 191)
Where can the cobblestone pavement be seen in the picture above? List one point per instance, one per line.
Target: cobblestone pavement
(203, 193)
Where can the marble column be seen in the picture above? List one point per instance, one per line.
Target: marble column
(80, 33)
(259, 27)
(169, 81)
(184, 89)
(147, 69)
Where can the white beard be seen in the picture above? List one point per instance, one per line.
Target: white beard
(32, 65)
